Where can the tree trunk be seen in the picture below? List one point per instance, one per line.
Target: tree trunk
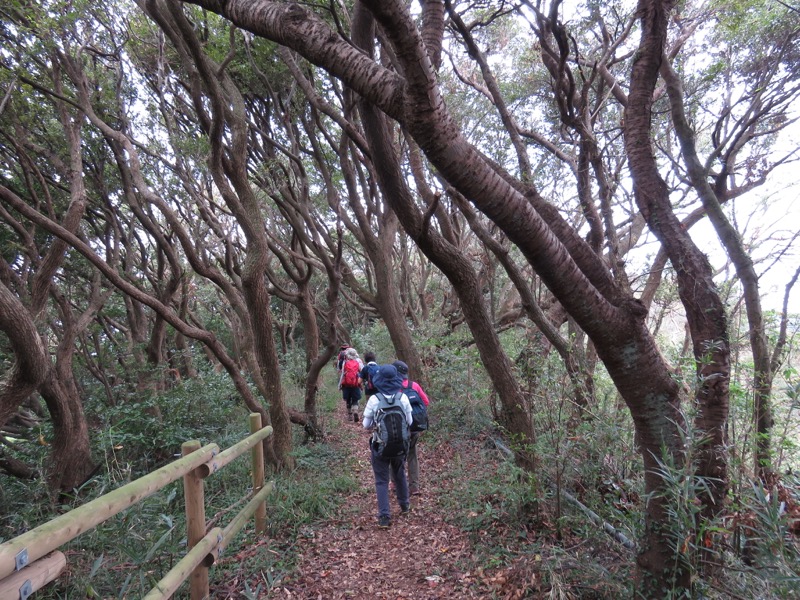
(221, 105)
(514, 415)
(31, 363)
(71, 461)
(185, 362)
(380, 248)
(704, 309)
(710, 196)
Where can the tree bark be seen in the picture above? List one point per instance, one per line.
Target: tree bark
(31, 363)
(710, 196)
(453, 264)
(209, 340)
(228, 166)
(704, 309)
(514, 416)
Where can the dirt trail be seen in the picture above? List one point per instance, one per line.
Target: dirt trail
(421, 556)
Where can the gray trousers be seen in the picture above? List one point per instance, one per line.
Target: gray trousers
(386, 470)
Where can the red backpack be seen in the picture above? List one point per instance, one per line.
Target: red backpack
(350, 377)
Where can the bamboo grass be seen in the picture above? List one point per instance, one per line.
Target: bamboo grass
(182, 570)
(235, 526)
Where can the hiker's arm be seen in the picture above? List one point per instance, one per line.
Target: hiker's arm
(406, 405)
(418, 388)
(369, 412)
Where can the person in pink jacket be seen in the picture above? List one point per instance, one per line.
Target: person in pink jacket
(411, 458)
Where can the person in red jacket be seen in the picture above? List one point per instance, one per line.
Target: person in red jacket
(411, 459)
(350, 382)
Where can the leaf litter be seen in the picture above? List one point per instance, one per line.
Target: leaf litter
(422, 556)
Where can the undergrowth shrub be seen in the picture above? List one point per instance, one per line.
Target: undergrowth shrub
(499, 506)
(763, 535)
(127, 554)
(293, 366)
(459, 388)
(497, 497)
(136, 437)
(520, 522)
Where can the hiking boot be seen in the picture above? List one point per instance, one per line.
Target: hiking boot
(405, 509)
(355, 417)
(384, 522)
(414, 491)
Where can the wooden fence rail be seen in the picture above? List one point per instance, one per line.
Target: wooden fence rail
(32, 560)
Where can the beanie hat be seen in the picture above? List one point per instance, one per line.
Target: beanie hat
(401, 367)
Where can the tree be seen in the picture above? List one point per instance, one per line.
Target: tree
(34, 277)
(738, 162)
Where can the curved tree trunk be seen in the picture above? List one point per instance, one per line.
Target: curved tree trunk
(185, 360)
(458, 270)
(380, 248)
(71, 457)
(704, 309)
(763, 372)
(214, 347)
(71, 461)
(574, 273)
(31, 363)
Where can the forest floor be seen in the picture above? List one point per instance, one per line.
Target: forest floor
(423, 555)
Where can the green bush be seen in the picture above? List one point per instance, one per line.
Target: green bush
(136, 437)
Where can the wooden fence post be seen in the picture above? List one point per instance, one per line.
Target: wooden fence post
(258, 473)
(195, 521)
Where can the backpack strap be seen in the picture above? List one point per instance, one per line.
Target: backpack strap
(388, 401)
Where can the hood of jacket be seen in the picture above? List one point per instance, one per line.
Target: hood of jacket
(387, 380)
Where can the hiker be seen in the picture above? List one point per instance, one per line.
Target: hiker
(409, 388)
(340, 358)
(350, 382)
(369, 370)
(388, 415)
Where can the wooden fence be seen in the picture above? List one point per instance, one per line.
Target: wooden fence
(32, 560)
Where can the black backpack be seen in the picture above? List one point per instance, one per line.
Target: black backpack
(391, 436)
(340, 360)
(419, 412)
